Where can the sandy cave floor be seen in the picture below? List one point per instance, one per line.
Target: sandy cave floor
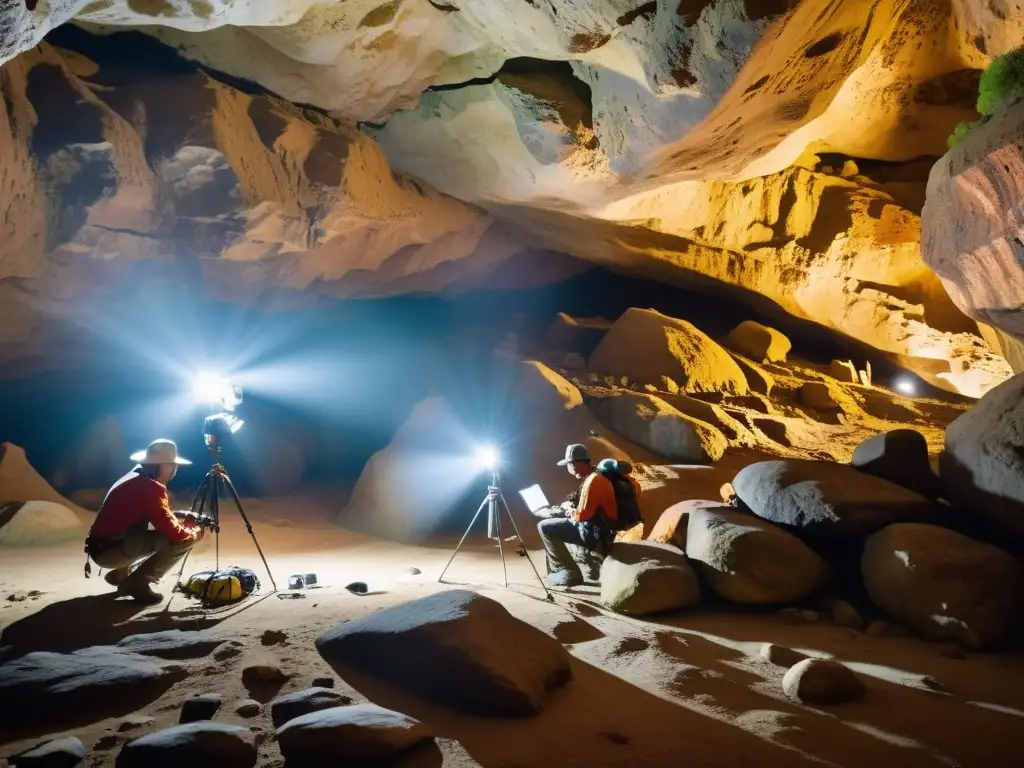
(684, 690)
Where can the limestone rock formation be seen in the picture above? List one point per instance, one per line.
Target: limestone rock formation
(646, 345)
(640, 578)
(820, 500)
(244, 195)
(973, 221)
(746, 560)
(943, 584)
(759, 342)
(982, 466)
(651, 422)
(458, 648)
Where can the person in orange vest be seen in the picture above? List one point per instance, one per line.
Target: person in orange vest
(591, 523)
(135, 534)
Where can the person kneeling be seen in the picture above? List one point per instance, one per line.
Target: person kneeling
(593, 521)
(121, 538)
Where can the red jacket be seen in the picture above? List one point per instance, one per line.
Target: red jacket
(135, 500)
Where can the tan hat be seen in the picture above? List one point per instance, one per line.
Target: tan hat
(160, 451)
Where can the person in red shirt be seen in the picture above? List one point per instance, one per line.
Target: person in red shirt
(135, 533)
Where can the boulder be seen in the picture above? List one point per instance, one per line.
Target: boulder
(671, 526)
(43, 687)
(457, 648)
(362, 734)
(197, 745)
(640, 578)
(759, 342)
(38, 523)
(646, 345)
(901, 457)
(202, 706)
(822, 681)
(172, 644)
(818, 395)
(709, 413)
(746, 560)
(781, 656)
(982, 466)
(298, 703)
(58, 753)
(942, 584)
(844, 371)
(758, 379)
(544, 392)
(651, 422)
(822, 500)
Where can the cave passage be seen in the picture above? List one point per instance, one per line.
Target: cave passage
(333, 384)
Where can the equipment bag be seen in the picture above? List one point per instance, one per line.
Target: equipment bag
(625, 494)
(223, 587)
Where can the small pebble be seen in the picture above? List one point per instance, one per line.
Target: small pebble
(106, 742)
(845, 615)
(200, 707)
(273, 637)
(248, 708)
(133, 722)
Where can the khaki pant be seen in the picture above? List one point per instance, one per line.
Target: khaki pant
(157, 554)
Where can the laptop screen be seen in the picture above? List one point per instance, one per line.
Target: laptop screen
(534, 498)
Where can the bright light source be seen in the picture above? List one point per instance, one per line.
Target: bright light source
(487, 457)
(208, 388)
(904, 385)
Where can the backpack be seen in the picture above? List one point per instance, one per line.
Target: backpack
(223, 587)
(625, 495)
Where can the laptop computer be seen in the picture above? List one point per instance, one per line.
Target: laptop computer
(534, 498)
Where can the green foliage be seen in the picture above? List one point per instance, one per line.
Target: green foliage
(960, 132)
(1002, 81)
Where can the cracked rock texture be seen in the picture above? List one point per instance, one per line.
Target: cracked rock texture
(771, 151)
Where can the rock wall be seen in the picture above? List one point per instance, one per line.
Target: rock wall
(111, 179)
(974, 222)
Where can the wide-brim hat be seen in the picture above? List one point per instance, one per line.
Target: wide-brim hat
(160, 451)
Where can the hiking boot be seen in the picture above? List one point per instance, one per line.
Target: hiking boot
(144, 594)
(565, 579)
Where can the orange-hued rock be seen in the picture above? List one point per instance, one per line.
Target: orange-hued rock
(973, 222)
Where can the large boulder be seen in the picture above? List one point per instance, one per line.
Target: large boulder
(671, 526)
(822, 500)
(972, 225)
(65, 752)
(760, 342)
(362, 734)
(982, 466)
(746, 560)
(646, 345)
(38, 523)
(173, 643)
(943, 584)
(45, 688)
(651, 422)
(901, 457)
(198, 745)
(457, 648)
(640, 578)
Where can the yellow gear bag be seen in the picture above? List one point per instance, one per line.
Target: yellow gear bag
(213, 588)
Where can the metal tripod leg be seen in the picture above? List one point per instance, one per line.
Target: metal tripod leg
(529, 559)
(459, 545)
(198, 505)
(248, 526)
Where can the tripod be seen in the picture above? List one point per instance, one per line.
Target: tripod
(208, 497)
(492, 500)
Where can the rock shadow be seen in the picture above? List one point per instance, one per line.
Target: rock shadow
(81, 622)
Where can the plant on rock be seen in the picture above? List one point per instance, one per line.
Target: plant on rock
(1002, 82)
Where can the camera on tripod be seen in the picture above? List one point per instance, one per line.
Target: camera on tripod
(219, 426)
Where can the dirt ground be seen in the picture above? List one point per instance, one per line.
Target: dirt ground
(688, 689)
